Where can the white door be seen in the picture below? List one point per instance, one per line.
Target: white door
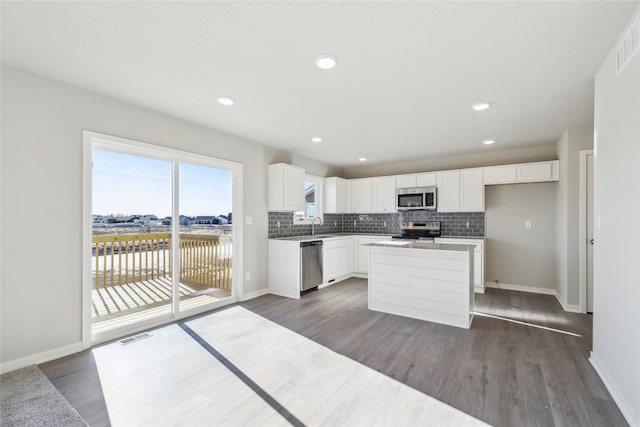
(589, 241)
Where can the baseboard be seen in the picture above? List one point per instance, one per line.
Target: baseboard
(520, 288)
(623, 405)
(571, 308)
(36, 359)
(255, 294)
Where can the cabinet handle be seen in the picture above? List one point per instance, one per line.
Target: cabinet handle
(591, 241)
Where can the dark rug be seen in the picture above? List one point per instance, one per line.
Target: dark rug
(29, 399)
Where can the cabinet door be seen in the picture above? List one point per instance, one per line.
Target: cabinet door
(500, 175)
(406, 181)
(471, 190)
(361, 195)
(334, 263)
(286, 188)
(363, 251)
(448, 191)
(336, 195)
(534, 172)
(426, 180)
(383, 194)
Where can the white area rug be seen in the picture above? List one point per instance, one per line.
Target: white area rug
(29, 399)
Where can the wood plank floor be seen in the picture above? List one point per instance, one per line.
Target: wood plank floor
(500, 371)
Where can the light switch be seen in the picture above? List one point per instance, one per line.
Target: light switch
(249, 220)
(527, 224)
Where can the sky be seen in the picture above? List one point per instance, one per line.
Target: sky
(126, 184)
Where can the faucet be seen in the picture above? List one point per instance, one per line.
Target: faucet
(313, 221)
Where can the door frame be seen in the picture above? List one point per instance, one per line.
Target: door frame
(582, 233)
(93, 139)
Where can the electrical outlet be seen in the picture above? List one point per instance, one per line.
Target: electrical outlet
(247, 276)
(467, 224)
(278, 224)
(527, 224)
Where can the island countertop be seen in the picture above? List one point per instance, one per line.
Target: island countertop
(422, 245)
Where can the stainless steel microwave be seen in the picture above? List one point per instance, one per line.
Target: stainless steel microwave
(416, 198)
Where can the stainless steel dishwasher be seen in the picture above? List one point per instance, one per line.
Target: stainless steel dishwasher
(310, 265)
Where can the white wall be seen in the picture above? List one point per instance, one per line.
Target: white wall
(567, 215)
(616, 320)
(41, 200)
(521, 258)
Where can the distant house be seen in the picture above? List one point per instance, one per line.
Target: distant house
(184, 220)
(207, 220)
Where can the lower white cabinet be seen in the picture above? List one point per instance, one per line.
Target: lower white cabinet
(363, 251)
(335, 259)
(478, 259)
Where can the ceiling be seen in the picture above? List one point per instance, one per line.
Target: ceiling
(407, 75)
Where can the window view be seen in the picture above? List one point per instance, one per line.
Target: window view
(310, 201)
(205, 234)
(133, 241)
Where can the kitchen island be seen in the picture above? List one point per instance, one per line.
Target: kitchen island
(426, 281)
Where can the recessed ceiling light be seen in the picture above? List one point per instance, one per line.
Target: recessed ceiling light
(226, 100)
(488, 141)
(316, 139)
(326, 61)
(363, 159)
(481, 106)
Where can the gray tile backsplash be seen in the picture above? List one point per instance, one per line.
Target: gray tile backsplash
(281, 224)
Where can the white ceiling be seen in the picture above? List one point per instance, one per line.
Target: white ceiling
(407, 75)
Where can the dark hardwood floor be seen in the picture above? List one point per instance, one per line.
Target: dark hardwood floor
(501, 371)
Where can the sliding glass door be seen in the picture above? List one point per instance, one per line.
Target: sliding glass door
(161, 236)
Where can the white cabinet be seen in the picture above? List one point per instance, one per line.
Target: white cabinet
(521, 173)
(335, 262)
(461, 191)
(363, 251)
(337, 195)
(426, 179)
(416, 180)
(352, 254)
(361, 195)
(286, 188)
(478, 259)
(284, 268)
(406, 181)
(471, 190)
(535, 172)
(449, 191)
(500, 175)
(383, 194)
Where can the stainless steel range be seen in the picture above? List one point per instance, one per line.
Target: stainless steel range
(416, 230)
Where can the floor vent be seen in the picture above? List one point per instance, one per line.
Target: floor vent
(629, 45)
(134, 338)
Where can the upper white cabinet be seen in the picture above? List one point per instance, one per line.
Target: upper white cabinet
(416, 180)
(471, 190)
(521, 173)
(426, 179)
(461, 191)
(449, 191)
(286, 188)
(337, 195)
(406, 181)
(383, 194)
(361, 195)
